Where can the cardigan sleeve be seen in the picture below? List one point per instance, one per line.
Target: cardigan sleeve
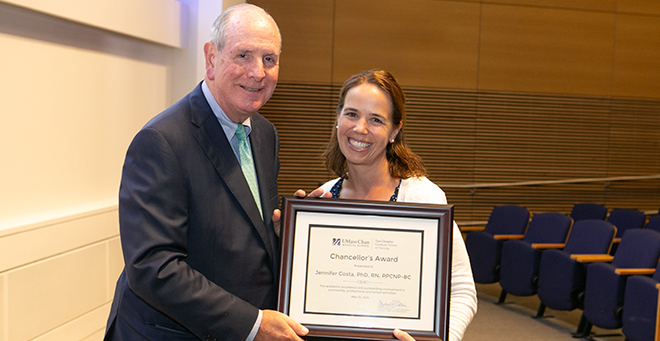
(463, 296)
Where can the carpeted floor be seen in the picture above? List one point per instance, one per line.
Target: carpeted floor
(512, 320)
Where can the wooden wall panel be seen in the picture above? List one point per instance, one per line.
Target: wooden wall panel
(637, 56)
(645, 7)
(634, 138)
(642, 195)
(423, 43)
(523, 137)
(478, 145)
(440, 128)
(594, 5)
(540, 107)
(545, 50)
(307, 31)
(304, 117)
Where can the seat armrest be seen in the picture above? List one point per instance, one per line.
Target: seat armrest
(548, 245)
(616, 240)
(471, 228)
(508, 236)
(631, 271)
(592, 258)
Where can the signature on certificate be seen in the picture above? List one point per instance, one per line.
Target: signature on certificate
(395, 307)
(391, 304)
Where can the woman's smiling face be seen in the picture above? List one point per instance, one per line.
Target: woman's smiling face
(364, 125)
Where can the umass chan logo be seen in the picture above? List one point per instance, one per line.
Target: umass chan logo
(348, 242)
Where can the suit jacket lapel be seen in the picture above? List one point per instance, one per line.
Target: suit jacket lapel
(262, 164)
(213, 141)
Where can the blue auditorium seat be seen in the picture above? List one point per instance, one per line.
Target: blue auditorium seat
(640, 304)
(484, 247)
(561, 277)
(605, 286)
(588, 210)
(521, 258)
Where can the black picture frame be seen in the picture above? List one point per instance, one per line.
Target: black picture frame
(304, 218)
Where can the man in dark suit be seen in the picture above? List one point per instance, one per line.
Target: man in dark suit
(201, 254)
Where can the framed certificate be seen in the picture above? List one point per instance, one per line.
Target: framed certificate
(353, 269)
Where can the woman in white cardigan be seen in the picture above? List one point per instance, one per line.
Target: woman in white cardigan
(368, 153)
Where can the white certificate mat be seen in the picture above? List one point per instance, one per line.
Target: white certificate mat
(364, 270)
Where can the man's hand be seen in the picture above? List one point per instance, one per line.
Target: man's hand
(277, 217)
(401, 335)
(277, 326)
(317, 193)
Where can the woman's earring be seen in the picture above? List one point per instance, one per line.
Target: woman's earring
(392, 141)
(337, 126)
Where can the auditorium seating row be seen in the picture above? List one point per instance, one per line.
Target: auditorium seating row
(604, 264)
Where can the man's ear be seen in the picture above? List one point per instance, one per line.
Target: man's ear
(210, 56)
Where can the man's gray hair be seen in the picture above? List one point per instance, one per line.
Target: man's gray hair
(219, 29)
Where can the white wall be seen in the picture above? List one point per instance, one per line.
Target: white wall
(78, 79)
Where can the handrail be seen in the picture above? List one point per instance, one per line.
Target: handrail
(547, 182)
(552, 182)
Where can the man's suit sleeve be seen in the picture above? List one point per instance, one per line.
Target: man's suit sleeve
(153, 210)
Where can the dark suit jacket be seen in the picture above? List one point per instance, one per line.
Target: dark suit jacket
(199, 259)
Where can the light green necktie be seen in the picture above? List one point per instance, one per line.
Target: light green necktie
(247, 164)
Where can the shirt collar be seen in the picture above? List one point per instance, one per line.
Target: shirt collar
(228, 126)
